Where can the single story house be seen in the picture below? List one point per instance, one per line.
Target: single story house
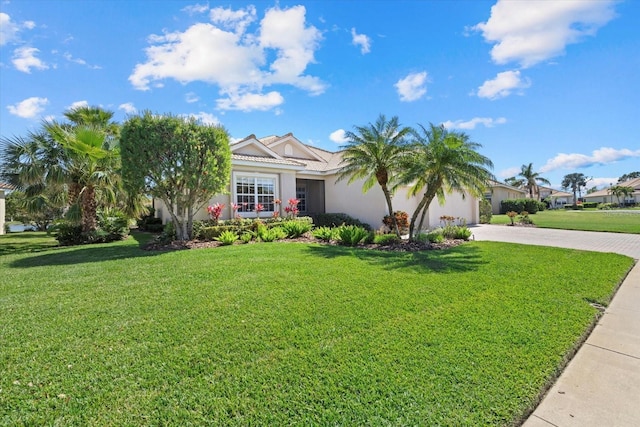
(605, 195)
(499, 191)
(558, 199)
(264, 170)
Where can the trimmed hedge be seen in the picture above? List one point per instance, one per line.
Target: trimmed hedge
(338, 219)
(518, 205)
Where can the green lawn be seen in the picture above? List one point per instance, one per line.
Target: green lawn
(289, 333)
(622, 221)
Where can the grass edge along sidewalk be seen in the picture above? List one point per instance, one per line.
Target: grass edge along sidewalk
(291, 333)
(617, 221)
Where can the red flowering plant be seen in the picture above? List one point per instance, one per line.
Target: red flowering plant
(292, 208)
(259, 208)
(215, 212)
(235, 207)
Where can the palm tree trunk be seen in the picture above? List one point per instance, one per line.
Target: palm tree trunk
(89, 209)
(414, 216)
(387, 196)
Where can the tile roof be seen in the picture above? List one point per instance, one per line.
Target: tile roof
(261, 159)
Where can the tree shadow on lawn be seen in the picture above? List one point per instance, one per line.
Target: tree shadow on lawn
(87, 254)
(452, 260)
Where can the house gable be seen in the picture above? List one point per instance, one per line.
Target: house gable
(251, 146)
(289, 146)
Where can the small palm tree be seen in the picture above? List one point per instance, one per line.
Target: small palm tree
(531, 179)
(443, 161)
(375, 153)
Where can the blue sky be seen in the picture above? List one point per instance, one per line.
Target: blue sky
(555, 83)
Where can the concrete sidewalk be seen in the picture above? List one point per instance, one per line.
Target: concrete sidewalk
(601, 385)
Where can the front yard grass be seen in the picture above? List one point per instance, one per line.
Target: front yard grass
(290, 333)
(617, 221)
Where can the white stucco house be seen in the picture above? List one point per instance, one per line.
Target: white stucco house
(605, 196)
(282, 167)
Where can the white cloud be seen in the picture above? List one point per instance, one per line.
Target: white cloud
(78, 104)
(80, 61)
(529, 32)
(412, 87)
(28, 108)
(236, 21)
(471, 124)
(250, 101)
(8, 29)
(24, 59)
(29, 25)
(191, 97)
(225, 54)
(509, 172)
(205, 118)
(361, 40)
(601, 156)
(128, 108)
(503, 85)
(196, 8)
(338, 136)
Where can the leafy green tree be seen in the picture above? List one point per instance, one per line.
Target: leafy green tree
(628, 176)
(531, 179)
(39, 210)
(574, 181)
(441, 162)
(177, 160)
(375, 153)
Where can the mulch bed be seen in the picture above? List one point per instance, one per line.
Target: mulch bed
(404, 246)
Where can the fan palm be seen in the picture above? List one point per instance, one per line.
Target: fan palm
(443, 161)
(374, 153)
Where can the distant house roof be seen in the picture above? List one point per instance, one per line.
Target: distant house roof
(507, 186)
(633, 183)
(5, 186)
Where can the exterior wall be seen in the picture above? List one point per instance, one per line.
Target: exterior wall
(456, 206)
(2, 211)
(346, 198)
(498, 194)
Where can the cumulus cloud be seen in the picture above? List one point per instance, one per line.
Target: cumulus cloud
(28, 108)
(529, 32)
(78, 104)
(241, 63)
(601, 156)
(503, 85)
(24, 59)
(471, 124)
(128, 108)
(338, 136)
(8, 29)
(509, 172)
(412, 87)
(250, 101)
(361, 40)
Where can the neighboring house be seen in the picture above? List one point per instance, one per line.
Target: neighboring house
(605, 196)
(282, 167)
(558, 199)
(3, 190)
(500, 191)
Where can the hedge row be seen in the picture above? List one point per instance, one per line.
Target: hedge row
(519, 205)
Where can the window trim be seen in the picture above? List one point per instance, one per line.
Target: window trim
(254, 175)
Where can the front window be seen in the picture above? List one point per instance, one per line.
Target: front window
(301, 195)
(251, 190)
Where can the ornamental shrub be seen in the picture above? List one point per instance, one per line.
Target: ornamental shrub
(486, 212)
(402, 219)
(351, 235)
(325, 233)
(518, 205)
(227, 238)
(338, 219)
(295, 229)
(385, 239)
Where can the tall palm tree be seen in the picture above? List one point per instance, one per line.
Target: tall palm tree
(443, 161)
(531, 179)
(375, 153)
(575, 181)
